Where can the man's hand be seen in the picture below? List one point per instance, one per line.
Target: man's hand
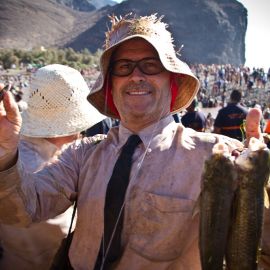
(10, 125)
(253, 124)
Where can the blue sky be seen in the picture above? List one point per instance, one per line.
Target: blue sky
(258, 33)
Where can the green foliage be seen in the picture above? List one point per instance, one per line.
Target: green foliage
(40, 57)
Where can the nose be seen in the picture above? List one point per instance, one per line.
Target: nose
(137, 75)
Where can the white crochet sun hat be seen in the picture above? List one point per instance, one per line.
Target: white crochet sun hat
(154, 31)
(57, 103)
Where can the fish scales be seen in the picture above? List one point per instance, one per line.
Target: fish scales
(218, 185)
(247, 219)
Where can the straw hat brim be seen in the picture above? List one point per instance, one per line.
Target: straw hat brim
(65, 124)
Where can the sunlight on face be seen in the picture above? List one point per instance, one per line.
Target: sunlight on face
(140, 97)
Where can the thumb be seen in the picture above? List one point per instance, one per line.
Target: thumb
(253, 124)
(12, 111)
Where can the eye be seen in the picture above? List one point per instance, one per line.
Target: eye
(122, 65)
(152, 65)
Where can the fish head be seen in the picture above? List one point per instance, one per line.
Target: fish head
(256, 156)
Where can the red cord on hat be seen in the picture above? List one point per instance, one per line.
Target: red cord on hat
(174, 89)
(109, 97)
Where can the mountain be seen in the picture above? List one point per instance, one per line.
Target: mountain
(102, 3)
(86, 5)
(26, 24)
(212, 31)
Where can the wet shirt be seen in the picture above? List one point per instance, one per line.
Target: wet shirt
(34, 247)
(160, 226)
(229, 119)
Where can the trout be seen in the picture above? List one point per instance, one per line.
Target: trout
(218, 186)
(248, 208)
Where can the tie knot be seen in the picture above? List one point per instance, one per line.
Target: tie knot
(132, 142)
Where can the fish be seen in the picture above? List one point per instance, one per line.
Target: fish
(218, 186)
(243, 246)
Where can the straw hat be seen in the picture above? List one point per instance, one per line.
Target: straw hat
(57, 104)
(153, 30)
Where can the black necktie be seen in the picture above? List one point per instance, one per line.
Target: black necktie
(115, 196)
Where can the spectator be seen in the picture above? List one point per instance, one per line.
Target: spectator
(101, 127)
(229, 120)
(209, 122)
(194, 118)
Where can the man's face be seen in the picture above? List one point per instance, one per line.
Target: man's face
(140, 97)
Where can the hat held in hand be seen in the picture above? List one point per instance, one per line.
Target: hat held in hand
(57, 103)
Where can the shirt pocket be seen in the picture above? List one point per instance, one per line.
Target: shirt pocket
(160, 226)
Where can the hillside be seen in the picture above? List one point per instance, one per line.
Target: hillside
(26, 24)
(212, 31)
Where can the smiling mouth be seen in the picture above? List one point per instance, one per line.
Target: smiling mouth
(138, 93)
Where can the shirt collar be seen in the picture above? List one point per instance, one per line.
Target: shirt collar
(152, 135)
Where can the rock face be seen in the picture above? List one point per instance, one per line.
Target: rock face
(211, 31)
(28, 24)
(80, 5)
(86, 5)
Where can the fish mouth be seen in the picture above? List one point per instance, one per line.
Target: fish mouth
(243, 160)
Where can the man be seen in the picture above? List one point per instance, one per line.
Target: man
(101, 127)
(229, 120)
(142, 82)
(193, 118)
(56, 114)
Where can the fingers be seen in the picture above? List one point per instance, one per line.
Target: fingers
(2, 86)
(11, 108)
(2, 110)
(253, 124)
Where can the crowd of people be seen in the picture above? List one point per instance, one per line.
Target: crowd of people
(216, 84)
(135, 188)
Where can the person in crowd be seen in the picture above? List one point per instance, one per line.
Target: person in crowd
(209, 122)
(229, 120)
(135, 190)
(101, 127)
(194, 118)
(56, 114)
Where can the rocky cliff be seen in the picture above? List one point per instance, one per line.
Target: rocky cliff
(212, 31)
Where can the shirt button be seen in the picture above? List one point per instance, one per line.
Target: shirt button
(149, 150)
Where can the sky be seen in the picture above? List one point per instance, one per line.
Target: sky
(258, 33)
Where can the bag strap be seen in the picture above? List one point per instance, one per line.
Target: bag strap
(72, 218)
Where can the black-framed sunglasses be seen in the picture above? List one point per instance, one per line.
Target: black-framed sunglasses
(125, 67)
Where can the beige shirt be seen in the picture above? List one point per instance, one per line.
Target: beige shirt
(160, 228)
(34, 247)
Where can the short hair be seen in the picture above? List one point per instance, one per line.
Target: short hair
(235, 95)
(194, 103)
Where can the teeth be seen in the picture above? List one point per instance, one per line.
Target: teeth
(137, 93)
